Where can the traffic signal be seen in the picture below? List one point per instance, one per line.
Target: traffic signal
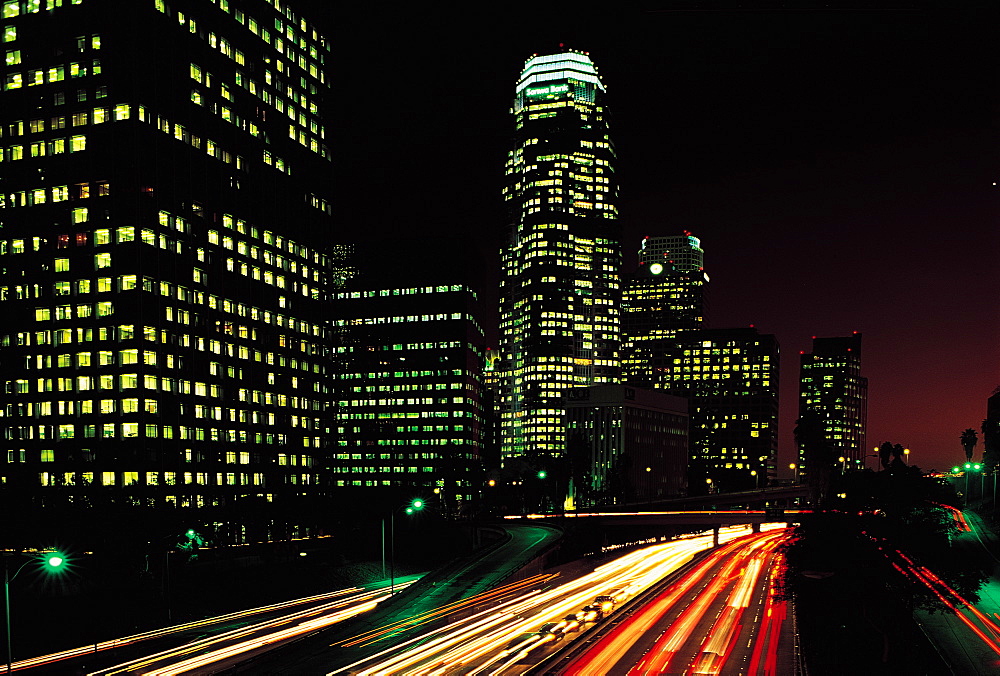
(542, 474)
(415, 506)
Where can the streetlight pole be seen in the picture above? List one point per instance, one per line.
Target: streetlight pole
(53, 562)
(415, 505)
(906, 456)
(795, 469)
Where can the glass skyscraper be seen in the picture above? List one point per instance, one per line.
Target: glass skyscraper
(561, 255)
(166, 218)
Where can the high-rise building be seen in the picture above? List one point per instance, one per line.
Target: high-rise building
(408, 378)
(831, 385)
(561, 257)
(626, 444)
(662, 298)
(164, 189)
(730, 377)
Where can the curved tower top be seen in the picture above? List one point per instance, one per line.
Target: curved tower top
(559, 289)
(555, 74)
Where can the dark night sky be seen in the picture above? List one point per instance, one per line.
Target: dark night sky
(838, 165)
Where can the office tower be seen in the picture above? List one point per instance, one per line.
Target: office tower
(831, 386)
(559, 289)
(662, 298)
(165, 208)
(730, 377)
(991, 430)
(626, 444)
(408, 377)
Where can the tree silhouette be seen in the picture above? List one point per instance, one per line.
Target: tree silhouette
(884, 453)
(969, 440)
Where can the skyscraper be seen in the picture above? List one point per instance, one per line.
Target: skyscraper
(730, 377)
(408, 378)
(662, 298)
(165, 208)
(561, 255)
(831, 386)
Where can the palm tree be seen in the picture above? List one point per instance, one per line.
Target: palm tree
(969, 440)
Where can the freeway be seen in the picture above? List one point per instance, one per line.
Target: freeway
(966, 634)
(721, 617)
(129, 653)
(522, 630)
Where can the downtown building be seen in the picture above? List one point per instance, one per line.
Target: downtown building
(730, 378)
(561, 254)
(625, 445)
(662, 298)
(832, 388)
(408, 379)
(164, 199)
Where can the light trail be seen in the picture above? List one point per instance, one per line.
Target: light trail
(742, 561)
(711, 656)
(390, 630)
(721, 639)
(950, 598)
(774, 615)
(101, 646)
(329, 613)
(494, 640)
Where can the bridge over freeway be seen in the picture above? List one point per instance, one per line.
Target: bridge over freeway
(772, 496)
(708, 519)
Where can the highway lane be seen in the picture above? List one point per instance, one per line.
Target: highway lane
(720, 617)
(105, 654)
(440, 597)
(966, 635)
(521, 631)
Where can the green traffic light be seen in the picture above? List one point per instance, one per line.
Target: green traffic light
(542, 474)
(956, 468)
(968, 465)
(416, 505)
(976, 466)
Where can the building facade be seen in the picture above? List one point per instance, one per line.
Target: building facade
(730, 377)
(665, 296)
(627, 444)
(408, 383)
(164, 252)
(832, 387)
(561, 256)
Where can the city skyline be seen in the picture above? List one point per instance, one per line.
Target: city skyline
(825, 158)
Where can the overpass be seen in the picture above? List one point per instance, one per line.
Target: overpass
(708, 519)
(773, 496)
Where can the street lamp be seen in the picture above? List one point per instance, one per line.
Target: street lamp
(709, 482)
(843, 464)
(52, 562)
(756, 476)
(906, 456)
(795, 468)
(414, 506)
